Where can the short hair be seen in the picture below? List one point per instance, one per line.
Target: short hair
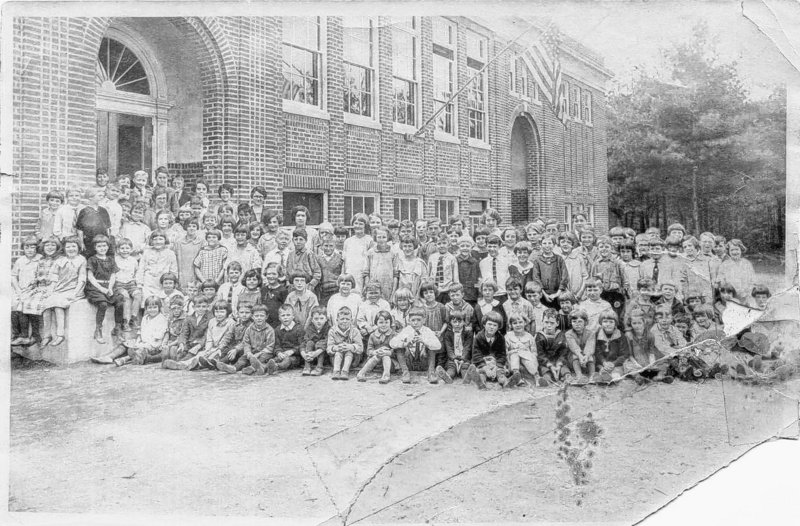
(680, 318)
(481, 231)
(523, 246)
(409, 239)
(579, 313)
(318, 311)
(506, 230)
(656, 241)
(568, 236)
(258, 190)
(693, 241)
(244, 208)
(252, 226)
(168, 275)
(608, 314)
(443, 239)
(242, 229)
(642, 239)
(245, 305)
(101, 239)
(760, 290)
(300, 232)
(288, 308)
(616, 231)
(213, 232)
(494, 214)
(252, 273)
(736, 243)
(516, 317)
(54, 194)
(676, 226)
(393, 223)
(167, 213)
(234, 265)
(672, 241)
(198, 299)
(372, 286)
(158, 191)
(201, 182)
(221, 304)
(344, 311)
(704, 310)
(385, 315)
(456, 287)
(139, 205)
(458, 315)
(360, 217)
(626, 245)
(191, 221)
(209, 284)
(513, 283)
(30, 240)
(381, 228)
(177, 299)
(153, 300)
(299, 275)
(155, 234)
(226, 186)
(550, 314)
(226, 220)
(604, 240)
(493, 239)
(415, 311)
(340, 231)
(568, 296)
(645, 283)
(668, 283)
(402, 293)
(592, 281)
(551, 237)
(299, 208)
(493, 317)
(425, 287)
(489, 283)
(532, 286)
(259, 308)
(346, 277)
(275, 265)
(707, 235)
(124, 241)
(663, 309)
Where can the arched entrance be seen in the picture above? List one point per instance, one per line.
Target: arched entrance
(525, 163)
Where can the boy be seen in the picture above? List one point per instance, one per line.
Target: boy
(642, 302)
(344, 344)
(568, 303)
(193, 337)
(66, 215)
(612, 349)
(468, 271)
(703, 323)
(230, 290)
(577, 268)
(369, 309)
(457, 342)
(550, 272)
(258, 344)
(300, 299)
(667, 338)
(443, 269)
(617, 236)
(642, 242)
(458, 303)
(416, 343)
(761, 295)
(125, 284)
(330, 264)
(552, 350)
(288, 341)
(212, 258)
(175, 323)
(522, 268)
(668, 292)
(480, 250)
(593, 304)
(47, 216)
(273, 293)
(517, 305)
(279, 254)
(301, 260)
(228, 361)
(488, 354)
(658, 267)
(113, 208)
(315, 342)
(495, 268)
(676, 230)
(136, 230)
(533, 293)
(609, 269)
(631, 267)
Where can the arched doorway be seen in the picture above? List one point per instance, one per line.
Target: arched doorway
(525, 162)
(132, 110)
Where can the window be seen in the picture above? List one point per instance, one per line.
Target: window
(118, 68)
(444, 68)
(302, 59)
(476, 209)
(575, 103)
(358, 204)
(405, 35)
(359, 66)
(586, 110)
(477, 51)
(314, 201)
(406, 208)
(445, 209)
(519, 77)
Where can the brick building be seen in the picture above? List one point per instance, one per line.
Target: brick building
(319, 110)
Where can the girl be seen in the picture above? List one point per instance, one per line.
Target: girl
(737, 270)
(381, 262)
(201, 191)
(251, 293)
(581, 342)
(33, 299)
(226, 226)
(522, 269)
(354, 251)
(492, 219)
(273, 293)
(23, 279)
(155, 261)
(587, 248)
(520, 350)
(346, 297)
(509, 238)
(147, 347)
(255, 230)
(435, 312)
(409, 268)
(218, 335)
(245, 214)
(66, 215)
(186, 250)
(375, 221)
(378, 349)
(68, 277)
(169, 284)
(47, 216)
(550, 271)
(273, 221)
(579, 222)
(257, 196)
(225, 191)
(403, 300)
(486, 304)
(724, 293)
(300, 215)
(101, 277)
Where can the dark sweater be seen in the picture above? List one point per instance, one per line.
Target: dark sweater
(289, 341)
(614, 348)
(468, 275)
(551, 273)
(448, 340)
(273, 299)
(194, 330)
(551, 350)
(316, 339)
(481, 348)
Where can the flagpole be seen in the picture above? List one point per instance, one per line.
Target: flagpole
(421, 129)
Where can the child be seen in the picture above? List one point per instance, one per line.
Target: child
(416, 344)
(344, 343)
(587, 248)
(551, 350)
(140, 191)
(594, 304)
(725, 292)
(330, 263)
(495, 268)
(737, 270)
(402, 301)
(340, 234)
(682, 323)
(354, 250)
(533, 293)
(66, 215)
(300, 215)
(457, 342)
(201, 192)
(409, 269)
(279, 254)
(435, 312)
(520, 350)
(486, 304)
(136, 230)
(47, 216)
(468, 272)
(644, 353)
(668, 292)
(611, 272)
(32, 298)
(698, 271)
(273, 293)
(568, 303)
(225, 191)
(631, 267)
(517, 305)
(159, 204)
(369, 309)
(209, 289)
(480, 250)
(124, 182)
(125, 284)
(218, 336)
(581, 342)
(186, 250)
(155, 261)
(250, 294)
(643, 302)
(315, 342)
(692, 301)
(175, 325)
(169, 284)
(301, 299)
(611, 349)
(488, 353)
(101, 272)
(228, 360)
(522, 269)
(378, 349)
(258, 344)
(458, 303)
(68, 277)
(230, 290)
(288, 342)
(23, 280)
(302, 260)
(147, 347)
(666, 338)
(210, 261)
(642, 247)
(761, 296)
(380, 265)
(193, 337)
(703, 323)
(111, 204)
(255, 233)
(491, 219)
(550, 272)
(242, 251)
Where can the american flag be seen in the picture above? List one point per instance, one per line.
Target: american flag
(546, 70)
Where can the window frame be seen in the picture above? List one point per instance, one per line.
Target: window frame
(308, 191)
(397, 203)
(321, 55)
(415, 33)
(439, 50)
(478, 86)
(586, 109)
(372, 71)
(575, 104)
(568, 215)
(473, 218)
(446, 200)
(376, 206)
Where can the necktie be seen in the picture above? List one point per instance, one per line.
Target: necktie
(440, 270)
(418, 346)
(230, 296)
(655, 270)
(494, 269)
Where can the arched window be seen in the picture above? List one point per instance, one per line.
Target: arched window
(118, 68)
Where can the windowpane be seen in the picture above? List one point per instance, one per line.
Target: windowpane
(302, 31)
(405, 209)
(587, 106)
(443, 32)
(404, 68)
(313, 201)
(443, 80)
(476, 106)
(301, 66)
(119, 68)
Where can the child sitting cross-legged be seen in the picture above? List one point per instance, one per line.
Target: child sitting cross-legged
(218, 336)
(581, 342)
(520, 350)
(611, 348)
(457, 342)
(288, 341)
(147, 347)
(416, 344)
(316, 342)
(378, 349)
(258, 344)
(551, 349)
(344, 343)
(488, 354)
(176, 318)
(193, 336)
(229, 358)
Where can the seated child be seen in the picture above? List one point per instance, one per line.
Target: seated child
(378, 349)
(435, 313)
(169, 283)
(369, 309)
(250, 294)
(193, 337)
(176, 318)
(101, 270)
(488, 354)
(218, 336)
(415, 345)
(316, 342)
(761, 295)
(593, 305)
(643, 302)
(567, 302)
(520, 350)
(344, 342)
(669, 290)
(258, 344)
(517, 305)
(288, 341)
(533, 293)
(147, 347)
(551, 350)
(644, 353)
(581, 342)
(229, 358)
(611, 348)
(273, 293)
(703, 323)
(667, 338)
(457, 342)
(23, 278)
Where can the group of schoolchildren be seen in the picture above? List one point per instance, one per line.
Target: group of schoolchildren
(202, 282)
